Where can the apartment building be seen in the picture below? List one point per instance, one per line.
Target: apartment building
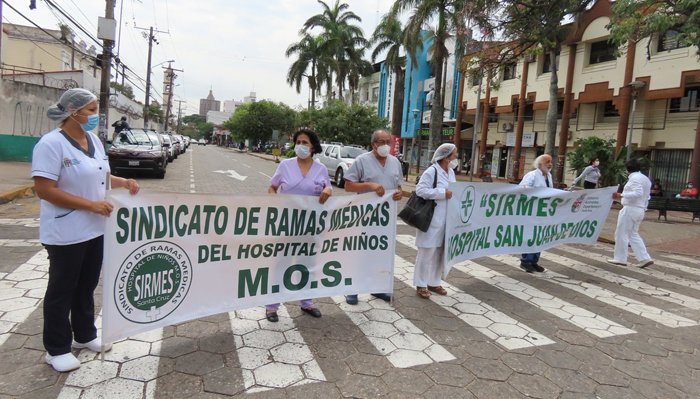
(657, 76)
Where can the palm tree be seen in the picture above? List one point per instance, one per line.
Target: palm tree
(388, 36)
(446, 14)
(310, 55)
(341, 39)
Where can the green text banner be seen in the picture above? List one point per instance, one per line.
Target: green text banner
(173, 257)
(486, 219)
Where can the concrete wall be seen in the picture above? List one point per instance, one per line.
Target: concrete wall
(23, 108)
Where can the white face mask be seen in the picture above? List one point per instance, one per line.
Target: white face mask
(453, 164)
(302, 151)
(383, 150)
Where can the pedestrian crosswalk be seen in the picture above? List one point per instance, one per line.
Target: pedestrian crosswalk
(268, 356)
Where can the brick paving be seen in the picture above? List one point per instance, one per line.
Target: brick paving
(583, 329)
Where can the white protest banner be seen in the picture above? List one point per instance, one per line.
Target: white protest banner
(488, 219)
(173, 257)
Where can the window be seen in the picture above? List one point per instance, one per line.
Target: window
(602, 51)
(688, 103)
(475, 77)
(668, 41)
(375, 94)
(509, 71)
(493, 116)
(609, 110)
(547, 64)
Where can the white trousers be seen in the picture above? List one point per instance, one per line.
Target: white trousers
(627, 234)
(429, 267)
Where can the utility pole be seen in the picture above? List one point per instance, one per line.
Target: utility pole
(151, 40)
(106, 28)
(179, 115)
(168, 90)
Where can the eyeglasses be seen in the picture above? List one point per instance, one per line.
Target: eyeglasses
(382, 142)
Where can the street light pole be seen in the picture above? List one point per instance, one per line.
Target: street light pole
(635, 87)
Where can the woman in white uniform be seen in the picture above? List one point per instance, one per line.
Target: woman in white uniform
(429, 260)
(71, 175)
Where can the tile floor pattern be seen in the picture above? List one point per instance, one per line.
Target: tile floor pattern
(242, 353)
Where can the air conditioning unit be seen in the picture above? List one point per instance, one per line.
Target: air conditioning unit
(508, 127)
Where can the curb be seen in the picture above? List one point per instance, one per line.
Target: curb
(19, 192)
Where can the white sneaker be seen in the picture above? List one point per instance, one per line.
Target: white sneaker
(645, 263)
(95, 345)
(616, 262)
(63, 363)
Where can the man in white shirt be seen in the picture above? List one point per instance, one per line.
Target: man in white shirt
(541, 176)
(634, 199)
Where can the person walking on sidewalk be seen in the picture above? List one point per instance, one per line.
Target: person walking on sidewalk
(431, 244)
(71, 175)
(301, 176)
(541, 176)
(634, 199)
(590, 175)
(376, 171)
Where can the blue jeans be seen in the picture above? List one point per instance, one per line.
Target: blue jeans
(530, 258)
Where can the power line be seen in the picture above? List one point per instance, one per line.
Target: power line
(36, 44)
(51, 4)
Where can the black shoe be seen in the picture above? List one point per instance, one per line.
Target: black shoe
(351, 299)
(383, 297)
(272, 317)
(527, 267)
(537, 268)
(312, 311)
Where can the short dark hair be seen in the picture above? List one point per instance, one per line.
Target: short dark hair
(123, 118)
(633, 165)
(313, 137)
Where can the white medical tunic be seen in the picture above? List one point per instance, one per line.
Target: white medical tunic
(82, 173)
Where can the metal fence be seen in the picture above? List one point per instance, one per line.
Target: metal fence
(672, 168)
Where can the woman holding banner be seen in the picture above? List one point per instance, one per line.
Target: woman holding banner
(431, 244)
(71, 176)
(302, 176)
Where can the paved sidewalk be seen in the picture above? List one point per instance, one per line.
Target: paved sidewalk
(15, 181)
(677, 235)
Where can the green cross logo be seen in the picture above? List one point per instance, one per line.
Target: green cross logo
(466, 203)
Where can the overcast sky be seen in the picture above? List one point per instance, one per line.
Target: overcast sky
(231, 46)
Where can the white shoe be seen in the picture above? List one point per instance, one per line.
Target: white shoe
(95, 345)
(645, 263)
(616, 262)
(63, 363)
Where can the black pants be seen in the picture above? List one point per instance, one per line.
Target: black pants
(587, 184)
(69, 304)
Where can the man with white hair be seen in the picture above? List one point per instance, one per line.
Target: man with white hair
(541, 176)
(376, 171)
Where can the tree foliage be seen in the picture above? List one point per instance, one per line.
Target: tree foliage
(256, 121)
(342, 42)
(196, 126)
(637, 19)
(388, 37)
(123, 88)
(612, 169)
(349, 124)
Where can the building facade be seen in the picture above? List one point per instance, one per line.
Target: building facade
(208, 104)
(656, 76)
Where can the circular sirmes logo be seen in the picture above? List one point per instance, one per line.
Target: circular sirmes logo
(466, 203)
(576, 206)
(152, 282)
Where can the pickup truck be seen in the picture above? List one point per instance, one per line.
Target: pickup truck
(337, 159)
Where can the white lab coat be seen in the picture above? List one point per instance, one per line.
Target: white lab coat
(435, 236)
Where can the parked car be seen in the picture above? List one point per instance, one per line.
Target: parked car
(183, 145)
(202, 142)
(138, 150)
(168, 145)
(337, 158)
